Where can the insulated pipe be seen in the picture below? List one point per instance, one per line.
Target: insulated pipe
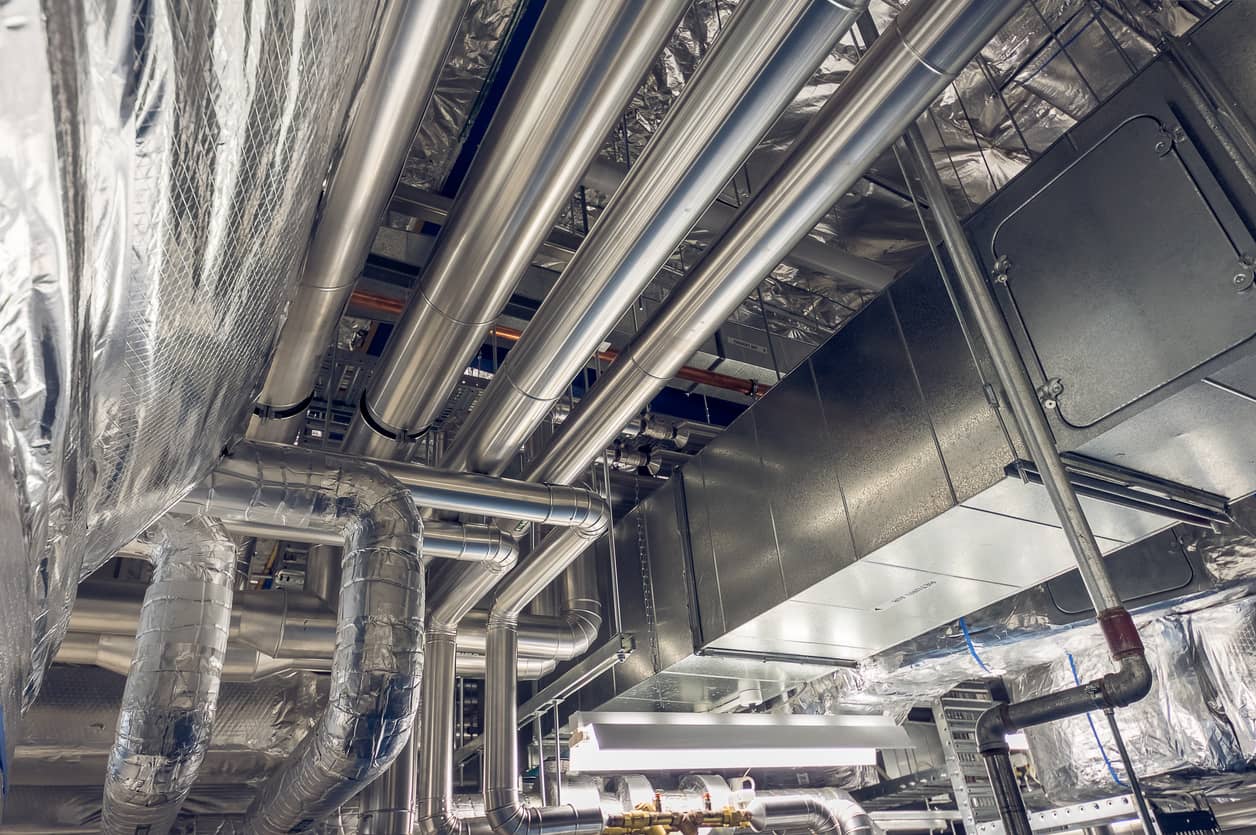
(283, 624)
(577, 74)
(819, 811)
(245, 664)
(1133, 679)
(171, 692)
(898, 77)
(761, 59)
(414, 38)
(378, 657)
(605, 176)
(503, 804)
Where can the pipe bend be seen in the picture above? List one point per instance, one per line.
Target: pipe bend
(1129, 684)
(377, 662)
(171, 692)
(821, 811)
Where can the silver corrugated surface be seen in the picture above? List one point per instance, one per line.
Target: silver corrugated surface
(160, 169)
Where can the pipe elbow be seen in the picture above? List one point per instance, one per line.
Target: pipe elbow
(1129, 684)
(992, 729)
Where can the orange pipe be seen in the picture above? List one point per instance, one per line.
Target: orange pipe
(386, 304)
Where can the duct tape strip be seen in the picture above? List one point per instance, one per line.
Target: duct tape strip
(972, 649)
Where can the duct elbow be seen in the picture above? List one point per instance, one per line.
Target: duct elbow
(171, 693)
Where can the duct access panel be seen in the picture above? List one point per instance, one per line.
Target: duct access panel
(881, 489)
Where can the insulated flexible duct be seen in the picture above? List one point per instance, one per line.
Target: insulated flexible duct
(378, 660)
(171, 692)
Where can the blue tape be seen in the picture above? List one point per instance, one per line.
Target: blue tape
(1072, 665)
(972, 649)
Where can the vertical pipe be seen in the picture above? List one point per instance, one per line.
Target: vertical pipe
(171, 692)
(1018, 389)
(1136, 786)
(1007, 794)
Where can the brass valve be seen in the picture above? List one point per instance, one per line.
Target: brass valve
(652, 822)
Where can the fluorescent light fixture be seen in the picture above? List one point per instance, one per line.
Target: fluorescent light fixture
(684, 741)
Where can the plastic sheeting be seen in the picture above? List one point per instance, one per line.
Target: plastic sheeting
(160, 165)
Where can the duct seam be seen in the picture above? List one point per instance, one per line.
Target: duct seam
(171, 693)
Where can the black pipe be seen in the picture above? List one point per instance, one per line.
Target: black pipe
(1007, 794)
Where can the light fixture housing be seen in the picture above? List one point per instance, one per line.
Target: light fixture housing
(612, 742)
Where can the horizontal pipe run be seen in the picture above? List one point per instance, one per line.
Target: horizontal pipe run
(895, 80)
(229, 490)
(763, 56)
(284, 624)
(243, 663)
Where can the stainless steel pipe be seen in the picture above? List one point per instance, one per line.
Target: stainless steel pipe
(763, 56)
(897, 78)
(414, 38)
(577, 74)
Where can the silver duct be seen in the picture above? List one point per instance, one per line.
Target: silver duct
(899, 76)
(409, 54)
(171, 691)
(162, 161)
(761, 59)
(378, 658)
(577, 74)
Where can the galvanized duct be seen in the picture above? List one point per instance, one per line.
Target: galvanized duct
(409, 54)
(900, 75)
(578, 71)
(171, 693)
(378, 658)
(761, 59)
(158, 158)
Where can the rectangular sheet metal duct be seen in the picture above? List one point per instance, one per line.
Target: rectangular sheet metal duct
(874, 493)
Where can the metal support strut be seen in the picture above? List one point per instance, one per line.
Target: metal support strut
(1132, 680)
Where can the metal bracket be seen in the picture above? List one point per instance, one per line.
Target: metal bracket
(1049, 393)
(1168, 137)
(1002, 268)
(1245, 274)
(1080, 816)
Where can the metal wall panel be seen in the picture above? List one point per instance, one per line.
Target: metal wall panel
(801, 484)
(888, 460)
(969, 430)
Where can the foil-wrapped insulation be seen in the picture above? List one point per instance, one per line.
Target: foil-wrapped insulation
(161, 167)
(1171, 732)
(470, 66)
(1225, 637)
(171, 692)
(377, 663)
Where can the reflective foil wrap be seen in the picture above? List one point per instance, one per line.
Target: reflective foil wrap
(160, 165)
(1171, 730)
(171, 692)
(1226, 637)
(377, 664)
